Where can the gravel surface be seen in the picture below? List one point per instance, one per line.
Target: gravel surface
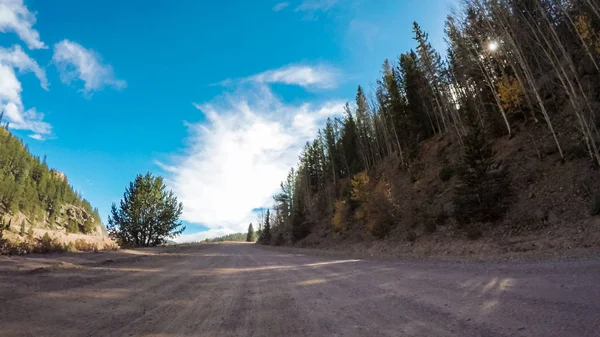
(245, 290)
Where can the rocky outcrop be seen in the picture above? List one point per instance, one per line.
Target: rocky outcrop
(60, 175)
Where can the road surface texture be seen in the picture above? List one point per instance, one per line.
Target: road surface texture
(245, 290)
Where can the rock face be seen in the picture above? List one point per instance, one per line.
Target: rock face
(71, 215)
(60, 175)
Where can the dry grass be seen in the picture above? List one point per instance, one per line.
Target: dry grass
(49, 244)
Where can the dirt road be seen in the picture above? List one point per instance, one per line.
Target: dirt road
(244, 290)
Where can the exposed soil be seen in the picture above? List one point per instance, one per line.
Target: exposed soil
(246, 290)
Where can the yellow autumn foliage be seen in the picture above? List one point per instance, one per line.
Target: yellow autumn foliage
(510, 93)
(360, 187)
(584, 28)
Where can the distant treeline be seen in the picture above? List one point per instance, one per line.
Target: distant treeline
(229, 237)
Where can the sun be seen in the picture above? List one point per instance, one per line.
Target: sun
(493, 46)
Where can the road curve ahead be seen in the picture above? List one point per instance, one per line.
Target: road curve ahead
(245, 290)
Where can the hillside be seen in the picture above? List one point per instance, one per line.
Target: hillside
(35, 200)
(494, 149)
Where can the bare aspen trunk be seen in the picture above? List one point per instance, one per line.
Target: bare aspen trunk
(509, 33)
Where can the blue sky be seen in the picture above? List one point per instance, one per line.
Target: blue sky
(218, 97)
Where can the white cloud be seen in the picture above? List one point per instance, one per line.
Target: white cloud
(10, 92)
(303, 75)
(36, 136)
(239, 155)
(16, 17)
(16, 57)
(280, 6)
(312, 7)
(316, 5)
(78, 63)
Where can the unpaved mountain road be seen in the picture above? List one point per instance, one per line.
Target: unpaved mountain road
(244, 290)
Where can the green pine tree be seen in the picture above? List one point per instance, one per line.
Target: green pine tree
(22, 229)
(147, 215)
(30, 232)
(481, 192)
(250, 235)
(266, 239)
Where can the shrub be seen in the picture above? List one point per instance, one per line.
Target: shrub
(447, 172)
(69, 247)
(360, 187)
(84, 246)
(110, 246)
(48, 244)
(340, 217)
(16, 248)
(382, 224)
(380, 211)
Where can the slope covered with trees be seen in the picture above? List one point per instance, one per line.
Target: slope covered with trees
(474, 138)
(41, 194)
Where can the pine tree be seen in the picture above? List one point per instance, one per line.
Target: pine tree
(147, 215)
(349, 143)
(333, 158)
(266, 234)
(300, 223)
(250, 235)
(420, 124)
(30, 233)
(430, 63)
(480, 193)
(22, 229)
(363, 128)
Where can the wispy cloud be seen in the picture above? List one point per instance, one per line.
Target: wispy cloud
(75, 62)
(238, 156)
(280, 6)
(367, 31)
(10, 92)
(316, 5)
(36, 136)
(312, 7)
(320, 76)
(16, 57)
(16, 17)
(302, 75)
